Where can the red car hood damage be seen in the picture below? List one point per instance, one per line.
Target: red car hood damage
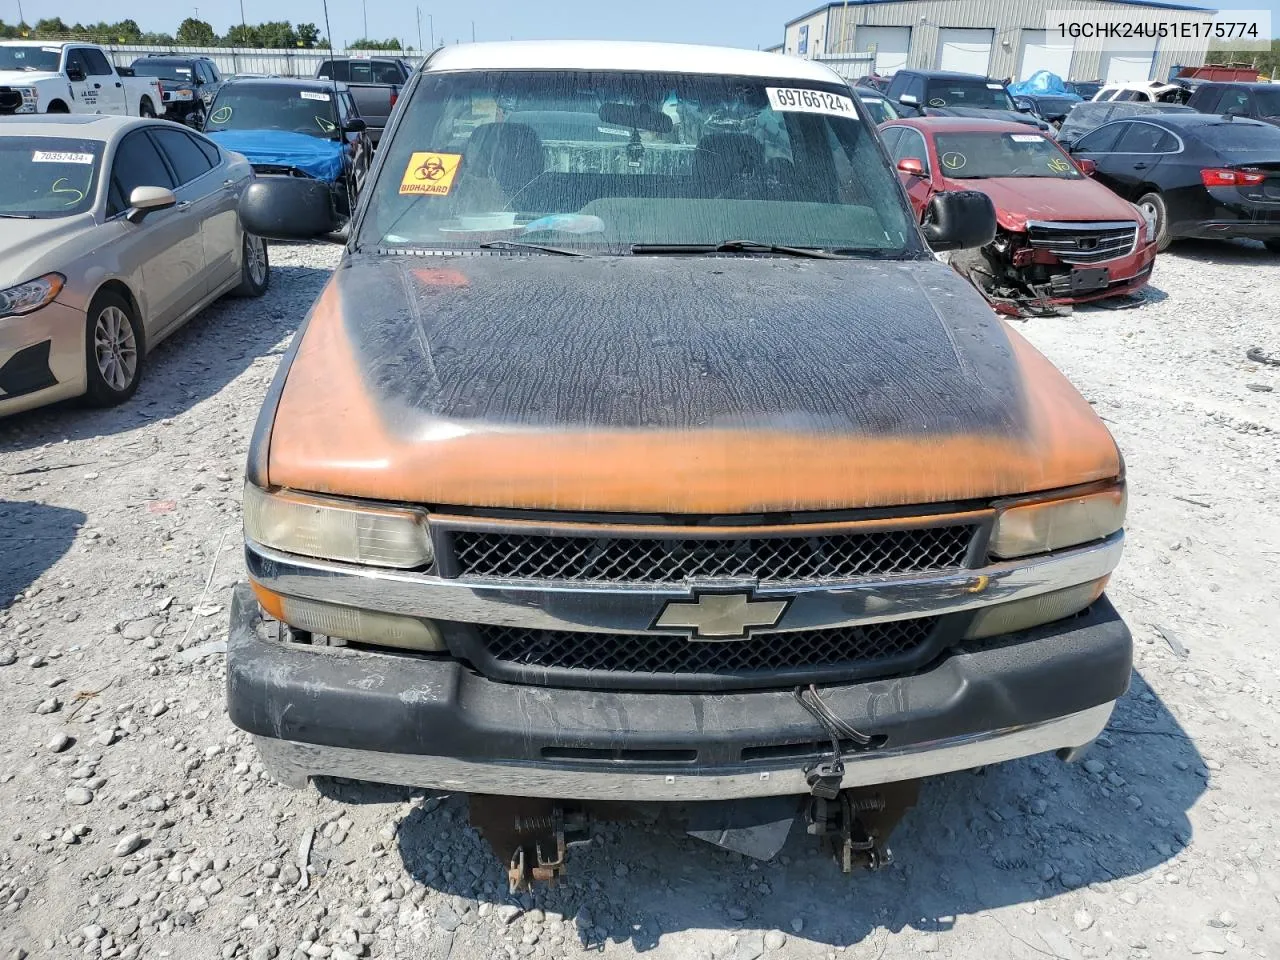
(1019, 199)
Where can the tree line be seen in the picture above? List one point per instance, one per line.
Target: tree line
(191, 32)
(1264, 60)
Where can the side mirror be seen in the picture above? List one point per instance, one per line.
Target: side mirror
(145, 200)
(1024, 106)
(75, 74)
(1087, 166)
(354, 125)
(912, 166)
(959, 220)
(287, 208)
(909, 100)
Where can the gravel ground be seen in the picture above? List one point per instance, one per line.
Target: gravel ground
(138, 823)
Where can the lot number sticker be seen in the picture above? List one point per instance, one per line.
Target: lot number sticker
(796, 100)
(1025, 137)
(311, 95)
(430, 174)
(52, 156)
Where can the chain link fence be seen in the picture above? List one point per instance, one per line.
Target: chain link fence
(232, 61)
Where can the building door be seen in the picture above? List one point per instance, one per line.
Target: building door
(1043, 52)
(891, 46)
(1124, 60)
(965, 50)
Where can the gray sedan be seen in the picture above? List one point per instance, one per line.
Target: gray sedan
(114, 231)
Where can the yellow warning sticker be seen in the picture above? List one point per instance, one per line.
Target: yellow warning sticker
(430, 174)
(1058, 165)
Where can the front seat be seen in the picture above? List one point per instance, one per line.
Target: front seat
(724, 160)
(508, 154)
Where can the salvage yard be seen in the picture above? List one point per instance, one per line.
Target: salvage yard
(137, 821)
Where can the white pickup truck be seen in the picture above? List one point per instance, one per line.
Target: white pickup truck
(41, 76)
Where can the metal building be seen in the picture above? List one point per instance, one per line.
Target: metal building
(997, 38)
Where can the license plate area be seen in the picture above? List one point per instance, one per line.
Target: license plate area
(1088, 279)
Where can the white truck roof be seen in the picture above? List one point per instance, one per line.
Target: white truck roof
(625, 55)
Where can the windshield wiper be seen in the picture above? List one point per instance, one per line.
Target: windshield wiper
(735, 246)
(16, 216)
(519, 245)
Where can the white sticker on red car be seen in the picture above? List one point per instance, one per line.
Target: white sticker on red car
(1025, 137)
(800, 100)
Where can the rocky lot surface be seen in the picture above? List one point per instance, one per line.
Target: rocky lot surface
(136, 822)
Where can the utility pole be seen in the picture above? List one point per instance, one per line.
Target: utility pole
(364, 8)
(473, 31)
(21, 18)
(419, 29)
(242, 13)
(431, 28)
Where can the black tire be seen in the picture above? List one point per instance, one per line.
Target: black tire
(252, 285)
(1155, 203)
(1273, 245)
(195, 119)
(105, 313)
(58, 107)
(146, 108)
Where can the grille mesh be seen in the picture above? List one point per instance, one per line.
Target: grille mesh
(1081, 243)
(651, 653)
(767, 559)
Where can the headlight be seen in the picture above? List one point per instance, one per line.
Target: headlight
(1149, 219)
(31, 295)
(1033, 611)
(29, 99)
(335, 529)
(1053, 524)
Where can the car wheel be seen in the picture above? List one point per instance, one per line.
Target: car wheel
(146, 108)
(1273, 245)
(255, 269)
(1152, 204)
(113, 351)
(195, 119)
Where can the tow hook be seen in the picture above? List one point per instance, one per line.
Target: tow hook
(531, 836)
(856, 823)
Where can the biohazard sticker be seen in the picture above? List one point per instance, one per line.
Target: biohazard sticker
(430, 174)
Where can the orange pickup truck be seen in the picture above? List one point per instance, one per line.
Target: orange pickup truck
(639, 449)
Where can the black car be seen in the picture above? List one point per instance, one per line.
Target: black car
(1047, 106)
(1088, 116)
(1258, 101)
(1197, 175)
(189, 84)
(941, 93)
(1085, 89)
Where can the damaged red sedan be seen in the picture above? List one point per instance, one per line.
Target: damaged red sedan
(1062, 238)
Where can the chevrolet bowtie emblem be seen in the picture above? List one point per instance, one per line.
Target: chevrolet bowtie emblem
(721, 616)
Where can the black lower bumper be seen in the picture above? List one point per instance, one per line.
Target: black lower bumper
(395, 703)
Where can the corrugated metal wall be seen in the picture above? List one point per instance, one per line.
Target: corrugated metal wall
(285, 63)
(833, 30)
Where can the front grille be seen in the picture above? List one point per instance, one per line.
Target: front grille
(1083, 242)
(784, 559)
(10, 100)
(877, 645)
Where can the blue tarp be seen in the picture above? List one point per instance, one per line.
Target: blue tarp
(1042, 83)
(321, 159)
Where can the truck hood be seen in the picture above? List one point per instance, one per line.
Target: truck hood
(670, 384)
(1019, 199)
(25, 244)
(980, 113)
(24, 78)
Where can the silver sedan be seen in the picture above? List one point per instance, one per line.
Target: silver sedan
(114, 231)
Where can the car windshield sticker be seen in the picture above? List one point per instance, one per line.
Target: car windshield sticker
(430, 174)
(74, 196)
(937, 102)
(221, 115)
(54, 156)
(1058, 165)
(953, 160)
(312, 95)
(995, 86)
(50, 49)
(796, 100)
(1025, 137)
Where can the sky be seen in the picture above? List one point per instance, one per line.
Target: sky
(738, 23)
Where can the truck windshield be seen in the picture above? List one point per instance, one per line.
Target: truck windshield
(30, 57)
(47, 177)
(977, 156)
(254, 106)
(614, 160)
(963, 92)
(164, 71)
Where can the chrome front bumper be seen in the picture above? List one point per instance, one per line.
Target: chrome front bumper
(293, 763)
(635, 608)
